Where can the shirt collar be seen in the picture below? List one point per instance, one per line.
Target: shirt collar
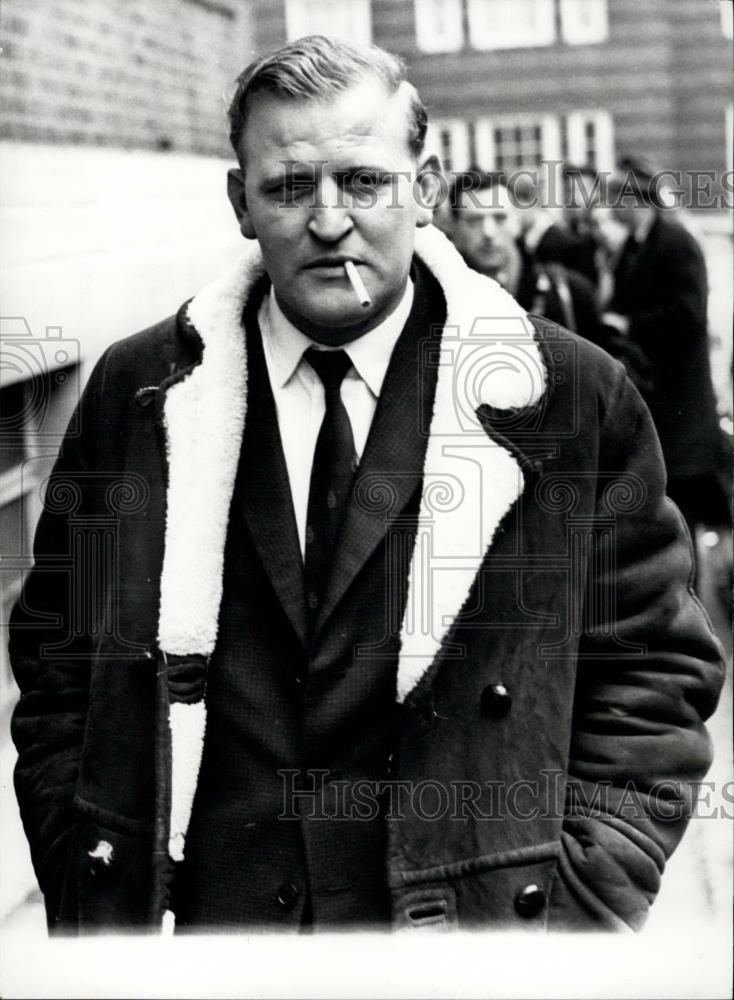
(370, 354)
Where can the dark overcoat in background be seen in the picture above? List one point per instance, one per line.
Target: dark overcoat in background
(661, 286)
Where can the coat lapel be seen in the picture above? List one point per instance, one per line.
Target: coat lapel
(488, 358)
(264, 489)
(204, 417)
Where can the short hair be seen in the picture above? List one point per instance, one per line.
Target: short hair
(473, 179)
(316, 67)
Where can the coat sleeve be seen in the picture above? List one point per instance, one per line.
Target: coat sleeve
(49, 652)
(649, 674)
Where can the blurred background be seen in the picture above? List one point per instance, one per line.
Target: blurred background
(113, 154)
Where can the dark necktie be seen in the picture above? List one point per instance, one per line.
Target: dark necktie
(334, 462)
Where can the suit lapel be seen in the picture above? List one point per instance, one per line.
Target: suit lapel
(392, 464)
(264, 489)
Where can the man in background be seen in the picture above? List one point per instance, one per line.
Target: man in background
(580, 194)
(659, 307)
(521, 248)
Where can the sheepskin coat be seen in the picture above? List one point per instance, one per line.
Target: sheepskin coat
(554, 671)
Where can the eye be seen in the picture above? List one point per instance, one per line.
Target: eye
(291, 189)
(362, 180)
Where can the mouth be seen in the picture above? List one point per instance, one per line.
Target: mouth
(330, 263)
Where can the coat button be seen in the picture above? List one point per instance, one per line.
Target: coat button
(530, 902)
(496, 701)
(287, 895)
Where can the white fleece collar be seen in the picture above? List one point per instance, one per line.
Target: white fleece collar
(488, 355)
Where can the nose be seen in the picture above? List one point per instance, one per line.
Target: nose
(330, 216)
(489, 227)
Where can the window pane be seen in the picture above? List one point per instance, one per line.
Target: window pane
(516, 145)
(448, 138)
(590, 139)
(506, 24)
(349, 21)
(584, 22)
(727, 18)
(438, 25)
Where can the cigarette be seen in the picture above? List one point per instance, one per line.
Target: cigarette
(357, 284)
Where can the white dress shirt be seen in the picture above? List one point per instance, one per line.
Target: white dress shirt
(299, 392)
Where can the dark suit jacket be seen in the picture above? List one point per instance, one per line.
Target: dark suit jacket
(542, 290)
(663, 291)
(553, 669)
(582, 258)
(556, 245)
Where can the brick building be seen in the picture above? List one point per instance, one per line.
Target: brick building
(509, 83)
(138, 74)
(113, 157)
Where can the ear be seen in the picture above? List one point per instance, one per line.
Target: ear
(431, 187)
(238, 200)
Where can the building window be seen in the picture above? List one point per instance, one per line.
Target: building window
(511, 24)
(351, 22)
(584, 22)
(590, 139)
(448, 138)
(438, 25)
(517, 142)
(727, 18)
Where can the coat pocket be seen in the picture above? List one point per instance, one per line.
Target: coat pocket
(112, 867)
(510, 889)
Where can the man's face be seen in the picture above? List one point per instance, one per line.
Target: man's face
(486, 226)
(322, 184)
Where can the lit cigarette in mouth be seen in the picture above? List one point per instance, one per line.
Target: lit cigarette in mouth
(357, 284)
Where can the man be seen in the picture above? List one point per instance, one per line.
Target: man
(521, 249)
(659, 307)
(337, 674)
(541, 237)
(580, 187)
